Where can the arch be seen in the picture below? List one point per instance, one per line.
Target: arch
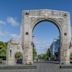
(60, 18)
(49, 20)
(53, 22)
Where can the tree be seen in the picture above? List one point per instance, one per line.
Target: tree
(71, 58)
(3, 49)
(39, 57)
(18, 55)
(45, 56)
(19, 58)
(34, 51)
(48, 54)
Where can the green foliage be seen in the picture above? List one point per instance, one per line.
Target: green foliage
(71, 56)
(34, 53)
(45, 56)
(39, 56)
(18, 55)
(48, 52)
(0, 61)
(3, 48)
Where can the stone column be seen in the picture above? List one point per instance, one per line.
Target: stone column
(64, 55)
(65, 40)
(28, 59)
(10, 55)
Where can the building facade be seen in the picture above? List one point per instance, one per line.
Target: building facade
(55, 49)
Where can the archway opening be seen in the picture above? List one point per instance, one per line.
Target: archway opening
(18, 58)
(46, 42)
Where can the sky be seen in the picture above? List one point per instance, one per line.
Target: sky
(11, 16)
(43, 35)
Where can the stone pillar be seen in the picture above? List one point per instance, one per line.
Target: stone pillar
(65, 40)
(64, 55)
(27, 39)
(10, 55)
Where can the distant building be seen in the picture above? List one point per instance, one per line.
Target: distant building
(54, 48)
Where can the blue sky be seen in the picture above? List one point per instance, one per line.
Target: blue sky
(11, 15)
(44, 34)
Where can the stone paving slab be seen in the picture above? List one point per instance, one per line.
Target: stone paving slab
(8, 67)
(41, 67)
(66, 66)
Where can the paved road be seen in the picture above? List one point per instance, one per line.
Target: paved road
(41, 67)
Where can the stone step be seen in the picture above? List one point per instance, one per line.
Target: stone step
(66, 66)
(18, 67)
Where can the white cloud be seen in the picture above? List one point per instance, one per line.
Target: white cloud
(2, 33)
(2, 22)
(9, 35)
(12, 21)
(14, 36)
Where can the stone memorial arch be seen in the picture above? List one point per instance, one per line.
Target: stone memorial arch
(60, 18)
